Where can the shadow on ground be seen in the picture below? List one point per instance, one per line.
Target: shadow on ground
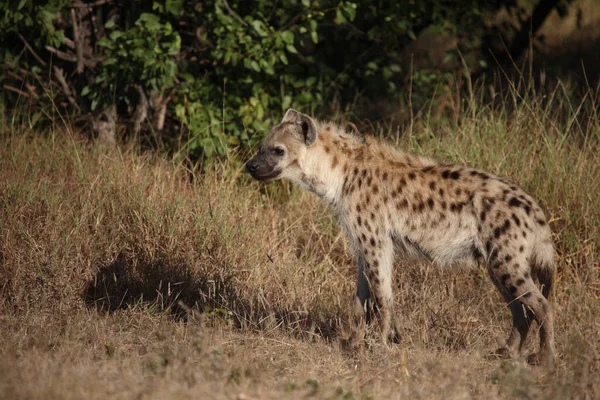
(162, 285)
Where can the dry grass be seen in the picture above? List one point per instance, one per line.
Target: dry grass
(126, 275)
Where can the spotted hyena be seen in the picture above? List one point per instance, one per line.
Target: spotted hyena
(393, 202)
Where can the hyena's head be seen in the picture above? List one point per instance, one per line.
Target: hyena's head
(285, 147)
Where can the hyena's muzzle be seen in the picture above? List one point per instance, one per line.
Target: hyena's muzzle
(263, 166)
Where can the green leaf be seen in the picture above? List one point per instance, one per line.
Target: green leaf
(174, 6)
(350, 11)
(254, 65)
(109, 24)
(283, 58)
(339, 17)
(291, 49)
(288, 37)
(259, 27)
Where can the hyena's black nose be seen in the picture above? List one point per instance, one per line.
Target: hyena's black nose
(252, 166)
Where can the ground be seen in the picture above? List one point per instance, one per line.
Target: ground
(127, 274)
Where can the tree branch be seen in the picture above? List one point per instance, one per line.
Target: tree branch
(65, 86)
(31, 50)
(15, 90)
(90, 5)
(78, 41)
(90, 63)
(240, 20)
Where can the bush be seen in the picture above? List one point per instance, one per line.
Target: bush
(209, 75)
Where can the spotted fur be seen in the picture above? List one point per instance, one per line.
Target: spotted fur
(390, 202)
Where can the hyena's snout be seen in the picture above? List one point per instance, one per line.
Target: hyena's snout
(252, 166)
(262, 168)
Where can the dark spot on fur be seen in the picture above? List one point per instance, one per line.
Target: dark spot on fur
(441, 192)
(527, 295)
(359, 220)
(527, 275)
(456, 207)
(358, 207)
(527, 209)
(514, 202)
(372, 216)
(458, 191)
(432, 185)
(482, 216)
(372, 241)
(494, 254)
(504, 278)
(384, 176)
(507, 258)
(520, 281)
(375, 189)
(446, 174)
(521, 248)
(444, 205)
(455, 175)
(541, 222)
(516, 219)
(427, 169)
(513, 289)
(430, 202)
(402, 204)
(476, 253)
(334, 163)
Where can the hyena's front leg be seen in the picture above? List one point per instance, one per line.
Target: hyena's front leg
(362, 302)
(375, 284)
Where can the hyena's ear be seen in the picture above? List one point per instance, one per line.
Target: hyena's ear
(304, 122)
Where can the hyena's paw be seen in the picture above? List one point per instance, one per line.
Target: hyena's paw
(541, 360)
(502, 353)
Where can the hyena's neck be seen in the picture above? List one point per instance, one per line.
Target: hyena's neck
(322, 174)
(325, 164)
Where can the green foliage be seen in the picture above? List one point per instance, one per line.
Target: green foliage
(227, 69)
(144, 55)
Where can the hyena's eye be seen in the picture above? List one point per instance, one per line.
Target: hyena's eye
(279, 151)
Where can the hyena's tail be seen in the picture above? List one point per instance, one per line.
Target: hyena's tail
(542, 266)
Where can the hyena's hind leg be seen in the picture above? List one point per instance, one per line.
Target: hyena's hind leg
(512, 275)
(542, 267)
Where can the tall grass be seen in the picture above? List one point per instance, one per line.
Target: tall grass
(88, 233)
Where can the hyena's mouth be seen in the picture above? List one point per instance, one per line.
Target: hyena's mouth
(266, 176)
